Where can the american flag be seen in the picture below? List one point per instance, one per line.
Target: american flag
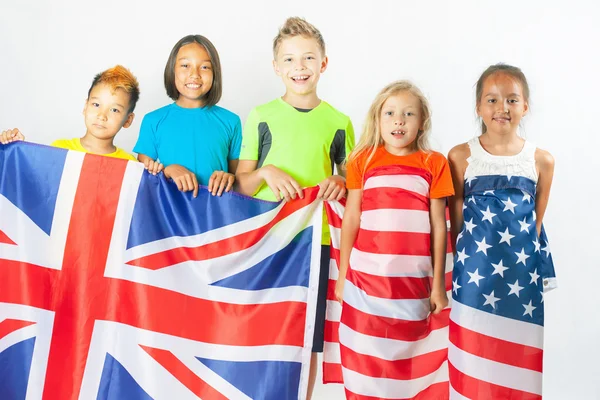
(387, 345)
(114, 285)
(502, 269)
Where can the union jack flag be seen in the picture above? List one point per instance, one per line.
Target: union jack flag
(114, 285)
(502, 269)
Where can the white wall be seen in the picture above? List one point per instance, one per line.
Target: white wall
(50, 51)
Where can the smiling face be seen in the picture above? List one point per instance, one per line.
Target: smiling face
(400, 122)
(502, 104)
(193, 75)
(299, 62)
(106, 111)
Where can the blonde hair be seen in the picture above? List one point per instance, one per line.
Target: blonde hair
(371, 138)
(296, 26)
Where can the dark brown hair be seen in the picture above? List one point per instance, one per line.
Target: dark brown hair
(119, 77)
(500, 68)
(214, 94)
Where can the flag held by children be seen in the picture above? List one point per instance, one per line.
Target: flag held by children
(115, 285)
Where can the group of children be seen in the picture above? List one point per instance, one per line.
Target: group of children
(299, 141)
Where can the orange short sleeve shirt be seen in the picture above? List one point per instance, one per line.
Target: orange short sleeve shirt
(433, 162)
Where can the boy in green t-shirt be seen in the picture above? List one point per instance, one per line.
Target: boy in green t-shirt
(294, 141)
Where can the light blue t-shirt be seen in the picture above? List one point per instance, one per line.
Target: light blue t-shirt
(201, 139)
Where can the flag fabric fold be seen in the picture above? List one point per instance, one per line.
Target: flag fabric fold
(386, 344)
(115, 285)
(502, 270)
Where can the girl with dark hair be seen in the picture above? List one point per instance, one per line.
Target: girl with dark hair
(197, 141)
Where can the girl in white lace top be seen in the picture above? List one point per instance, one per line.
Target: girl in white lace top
(502, 264)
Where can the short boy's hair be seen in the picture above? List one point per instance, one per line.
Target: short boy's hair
(296, 26)
(214, 94)
(119, 77)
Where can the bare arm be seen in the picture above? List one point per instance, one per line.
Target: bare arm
(341, 170)
(437, 218)
(545, 165)
(232, 166)
(350, 226)
(249, 179)
(143, 158)
(457, 159)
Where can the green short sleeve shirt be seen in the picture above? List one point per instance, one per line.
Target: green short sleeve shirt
(303, 143)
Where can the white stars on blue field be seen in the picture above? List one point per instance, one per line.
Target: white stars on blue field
(501, 261)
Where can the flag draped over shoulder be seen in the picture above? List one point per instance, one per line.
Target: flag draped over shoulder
(114, 285)
(387, 345)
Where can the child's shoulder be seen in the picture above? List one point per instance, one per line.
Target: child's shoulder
(223, 113)
(160, 113)
(544, 158)
(359, 157)
(459, 152)
(434, 156)
(335, 114)
(173, 109)
(226, 118)
(69, 144)
(278, 107)
(434, 161)
(273, 107)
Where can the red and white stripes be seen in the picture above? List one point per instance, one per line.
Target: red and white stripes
(494, 357)
(387, 345)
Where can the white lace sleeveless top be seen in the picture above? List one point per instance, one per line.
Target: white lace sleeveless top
(483, 163)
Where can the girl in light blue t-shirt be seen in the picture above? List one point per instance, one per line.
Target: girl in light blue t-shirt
(197, 141)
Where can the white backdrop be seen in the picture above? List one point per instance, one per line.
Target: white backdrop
(50, 51)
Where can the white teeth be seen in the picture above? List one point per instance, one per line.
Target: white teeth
(302, 77)
(192, 85)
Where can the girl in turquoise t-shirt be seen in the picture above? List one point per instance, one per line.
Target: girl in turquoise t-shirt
(197, 141)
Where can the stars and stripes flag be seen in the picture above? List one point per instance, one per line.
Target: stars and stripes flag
(387, 345)
(502, 270)
(114, 285)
